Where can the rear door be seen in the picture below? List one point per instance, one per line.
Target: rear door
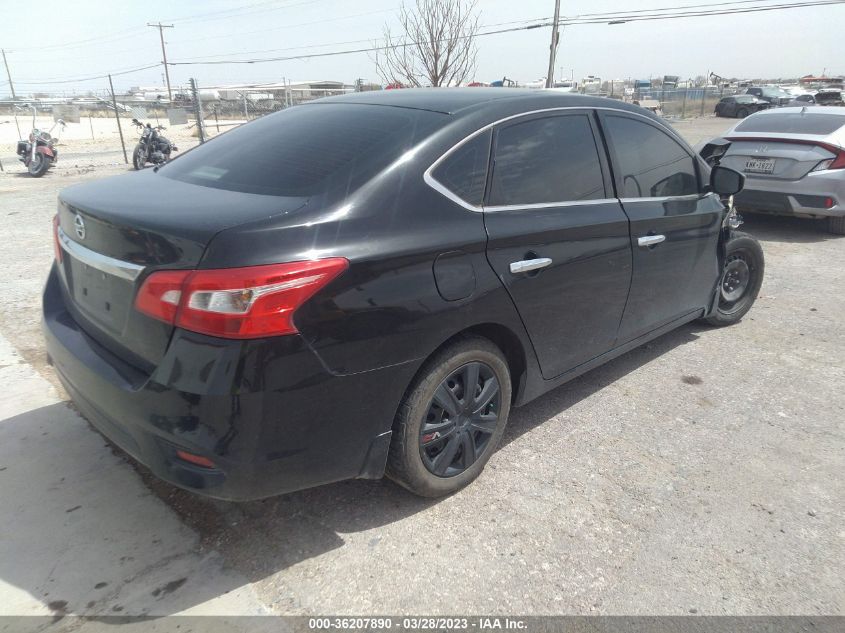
(674, 225)
(558, 239)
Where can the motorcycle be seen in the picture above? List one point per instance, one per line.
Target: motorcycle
(152, 147)
(39, 151)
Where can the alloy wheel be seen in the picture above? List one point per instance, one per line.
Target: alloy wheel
(460, 420)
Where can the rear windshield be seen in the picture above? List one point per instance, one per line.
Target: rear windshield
(746, 98)
(774, 92)
(306, 150)
(793, 123)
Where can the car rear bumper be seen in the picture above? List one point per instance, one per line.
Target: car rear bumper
(808, 197)
(266, 412)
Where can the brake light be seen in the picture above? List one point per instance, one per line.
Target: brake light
(839, 161)
(57, 247)
(251, 302)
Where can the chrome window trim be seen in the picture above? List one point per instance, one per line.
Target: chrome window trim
(689, 196)
(440, 188)
(546, 205)
(103, 263)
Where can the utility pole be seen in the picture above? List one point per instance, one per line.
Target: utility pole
(117, 118)
(161, 28)
(550, 76)
(195, 93)
(9, 75)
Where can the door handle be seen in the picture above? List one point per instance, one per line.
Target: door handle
(527, 265)
(650, 240)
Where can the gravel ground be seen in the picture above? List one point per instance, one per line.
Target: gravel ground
(701, 473)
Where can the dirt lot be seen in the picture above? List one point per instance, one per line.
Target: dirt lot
(699, 474)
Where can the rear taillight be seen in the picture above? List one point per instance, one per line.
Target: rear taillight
(251, 302)
(839, 161)
(57, 247)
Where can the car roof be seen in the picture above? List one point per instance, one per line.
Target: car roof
(837, 110)
(464, 100)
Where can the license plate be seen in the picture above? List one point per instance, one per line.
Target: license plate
(101, 296)
(760, 166)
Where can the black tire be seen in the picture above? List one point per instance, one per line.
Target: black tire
(742, 113)
(741, 279)
(718, 112)
(39, 165)
(411, 462)
(836, 225)
(137, 157)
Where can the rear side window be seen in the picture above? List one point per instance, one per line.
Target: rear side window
(464, 171)
(554, 159)
(650, 162)
(793, 123)
(306, 150)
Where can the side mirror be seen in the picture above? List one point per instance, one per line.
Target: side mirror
(726, 181)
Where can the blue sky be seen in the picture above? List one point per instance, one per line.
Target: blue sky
(101, 36)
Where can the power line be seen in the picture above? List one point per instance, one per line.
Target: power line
(239, 13)
(81, 79)
(323, 45)
(676, 8)
(138, 30)
(284, 26)
(631, 17)
(595, 19)
(111, 37)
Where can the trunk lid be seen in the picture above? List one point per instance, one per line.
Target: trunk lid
(118, 230)
(774, 159)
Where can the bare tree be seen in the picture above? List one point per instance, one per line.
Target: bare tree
(436, 46)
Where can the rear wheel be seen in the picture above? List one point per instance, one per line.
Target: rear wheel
(741, 279)
(742, 113)
(39, 165)
(451, 419)
(836, 225)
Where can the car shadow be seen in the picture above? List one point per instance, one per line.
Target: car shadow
(92, 540)
(780, 228)
(278, 532)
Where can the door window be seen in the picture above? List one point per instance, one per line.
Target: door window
(464, 171)
(650, 162)
(547, 160)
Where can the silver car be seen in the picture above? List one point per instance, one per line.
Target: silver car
(794, 163)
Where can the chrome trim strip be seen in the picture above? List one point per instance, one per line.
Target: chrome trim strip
(443, 191)
(103, 263)
(432, 182)
(692, 196)
(546, 205)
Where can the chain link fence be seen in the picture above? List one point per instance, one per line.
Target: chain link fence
(683, 103)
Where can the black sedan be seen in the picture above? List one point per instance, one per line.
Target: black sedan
(368, 283)
(740, 106)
